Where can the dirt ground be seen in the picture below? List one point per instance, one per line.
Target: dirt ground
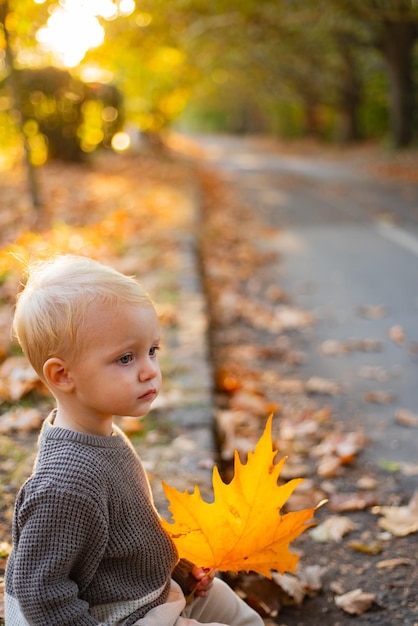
(247, 357)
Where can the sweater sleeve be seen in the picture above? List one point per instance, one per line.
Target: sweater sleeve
(61, 540)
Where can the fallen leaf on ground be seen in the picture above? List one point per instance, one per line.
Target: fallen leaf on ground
(367, 482)
(373, 373)
(291, 318)
(397, 334)
(333, 347)
(242, 529)
(290, 386)
(316, 384)
(291, 585)
(332, 529)
(373, 548)
(237, 430)
(5, 334)
(262, 594)
(311, 578)
(355, 602)
(130, 425)
(17, 378)
(408, 469)
(306, 496)
(227, 381)
(400, 520)
(374, 312)
(379, 397)
(406, 418)
(392, 563)
(23, 419)
(343, 502)
(343, 446)
(254, 402)
(329, 467)
(294, 587)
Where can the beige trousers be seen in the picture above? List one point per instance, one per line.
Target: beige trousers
(221, 607)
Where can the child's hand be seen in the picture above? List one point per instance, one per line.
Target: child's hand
(204, 578)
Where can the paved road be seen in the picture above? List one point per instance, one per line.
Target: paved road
(348, 243)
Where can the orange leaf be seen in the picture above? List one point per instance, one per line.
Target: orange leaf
(242, 529)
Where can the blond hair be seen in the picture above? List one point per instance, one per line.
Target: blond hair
(51, 310)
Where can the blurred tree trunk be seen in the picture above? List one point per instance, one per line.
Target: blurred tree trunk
(312, 125)
(14, 88)
(350, 90)
(396, 43)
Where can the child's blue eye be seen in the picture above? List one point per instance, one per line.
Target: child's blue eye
(153, 350)
(125, 359)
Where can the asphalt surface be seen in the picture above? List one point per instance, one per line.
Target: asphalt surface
(348, 245)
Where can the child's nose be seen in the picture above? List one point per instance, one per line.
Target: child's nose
(148, 370)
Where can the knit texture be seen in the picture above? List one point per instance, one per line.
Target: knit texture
(87, 539)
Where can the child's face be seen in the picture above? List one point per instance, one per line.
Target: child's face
(117, 372)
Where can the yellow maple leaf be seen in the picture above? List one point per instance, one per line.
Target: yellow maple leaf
(242, 529)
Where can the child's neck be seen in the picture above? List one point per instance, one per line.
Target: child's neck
(89, 426)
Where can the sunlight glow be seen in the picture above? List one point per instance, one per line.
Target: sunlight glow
(69, 34)
(121, 142)
(126, 7)
(96, 74)
(73, 27)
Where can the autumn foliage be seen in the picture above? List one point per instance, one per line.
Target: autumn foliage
(242, 529)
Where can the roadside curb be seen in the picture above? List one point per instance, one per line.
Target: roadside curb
(180, 450)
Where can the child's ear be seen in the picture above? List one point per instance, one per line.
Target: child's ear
(56, 375)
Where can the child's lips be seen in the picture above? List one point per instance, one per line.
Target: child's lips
(148, 395)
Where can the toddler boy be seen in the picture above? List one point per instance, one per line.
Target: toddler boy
(88, 546)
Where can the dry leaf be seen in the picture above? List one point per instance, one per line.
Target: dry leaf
(366, 483)
(400, 520)
(5, 334)
(311, 578)
(238, 430)
(242, 529)
(329, 467)
(130, 425)
(323, 386)
(291, 585)
(355, 602)
(373, 548)
(291, 318)
(260, 593)
(332, 529)
(373, 372)
(343, 502)
(397, 334)
(17, 378)
(335, 450)
(290, 386)
(23, 419)
(332, 347)
(379, 397)
(406, 418)
(392, 563)
(408, 469)
(366, 345)
(251, 401)
(374, 312)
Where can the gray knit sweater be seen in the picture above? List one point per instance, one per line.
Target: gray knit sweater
(88, 547)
